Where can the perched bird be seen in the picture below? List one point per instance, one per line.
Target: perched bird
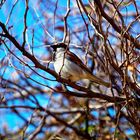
(70, 67)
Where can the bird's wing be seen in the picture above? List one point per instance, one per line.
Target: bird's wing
(72, 57)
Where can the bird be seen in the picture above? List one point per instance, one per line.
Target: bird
(69, 66)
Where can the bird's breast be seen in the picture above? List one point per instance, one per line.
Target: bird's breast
(67, 69)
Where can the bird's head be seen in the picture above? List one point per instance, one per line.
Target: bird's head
(58, 49)
(59, 45)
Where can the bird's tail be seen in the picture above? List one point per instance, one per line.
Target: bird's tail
(99, 81)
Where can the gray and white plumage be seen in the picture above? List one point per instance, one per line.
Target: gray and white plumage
(70, 67)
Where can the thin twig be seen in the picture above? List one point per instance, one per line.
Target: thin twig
(25, 23)
(65, 22)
